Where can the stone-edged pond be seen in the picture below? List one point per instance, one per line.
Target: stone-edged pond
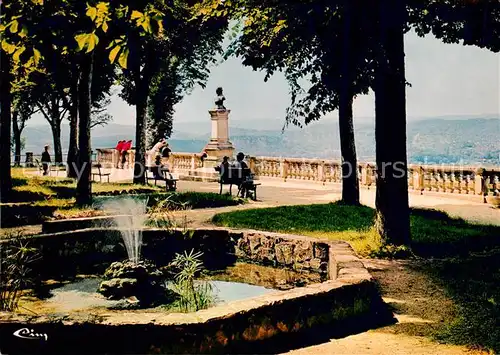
(254, 285)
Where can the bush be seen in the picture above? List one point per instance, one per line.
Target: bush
(15, 259)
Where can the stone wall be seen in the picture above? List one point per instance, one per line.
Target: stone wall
(72, 224)
(91, 250)
(299, 253)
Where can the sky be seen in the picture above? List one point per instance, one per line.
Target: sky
(446, 79)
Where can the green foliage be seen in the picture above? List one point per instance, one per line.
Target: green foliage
(173, 66)
(15, 273)
(306, 41)
(194, 295)
(159, 214)
(471, 22)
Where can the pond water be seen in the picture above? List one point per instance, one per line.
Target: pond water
(237, 282)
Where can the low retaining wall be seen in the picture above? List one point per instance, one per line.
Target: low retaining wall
(234, 327)
(72, 224)
(287, 250)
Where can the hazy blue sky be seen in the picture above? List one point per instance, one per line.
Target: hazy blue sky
(446, 79)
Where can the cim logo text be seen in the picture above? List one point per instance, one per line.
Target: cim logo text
(25, 333)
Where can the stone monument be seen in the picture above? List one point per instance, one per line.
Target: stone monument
(219, 144)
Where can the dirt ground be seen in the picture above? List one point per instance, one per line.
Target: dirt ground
(419, 306)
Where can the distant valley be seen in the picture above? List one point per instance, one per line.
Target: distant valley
(431, 141)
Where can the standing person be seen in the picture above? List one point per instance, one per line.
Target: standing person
(126, 147)
(203, 156)
(46, 160)
(118, 152)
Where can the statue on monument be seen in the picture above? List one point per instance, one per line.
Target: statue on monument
(219, 99)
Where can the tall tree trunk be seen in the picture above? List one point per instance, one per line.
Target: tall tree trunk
(5, 127)
(350, 180)
(392, 215)
(350, 176)
(56, 135)
(73, 130)
(140, 137)
(84, 183)
(16, 133)
(142, 91)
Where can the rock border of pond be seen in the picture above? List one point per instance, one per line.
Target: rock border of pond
(348, 296)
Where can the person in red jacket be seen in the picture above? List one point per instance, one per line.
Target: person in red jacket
(125, 148)
(118, 152)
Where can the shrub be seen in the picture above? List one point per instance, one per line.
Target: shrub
(16, 258)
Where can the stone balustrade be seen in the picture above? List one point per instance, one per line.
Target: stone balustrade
(179, 162)
(458, 180)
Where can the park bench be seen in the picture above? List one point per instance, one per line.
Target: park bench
(99, 172)
(170, 181)
(243, 178)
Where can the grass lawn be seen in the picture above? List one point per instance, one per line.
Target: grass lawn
(434, 233)
(462, 259)
(37, 198)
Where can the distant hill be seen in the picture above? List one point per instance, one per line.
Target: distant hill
(432, 141)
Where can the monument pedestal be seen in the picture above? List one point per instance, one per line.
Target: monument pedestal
(219, 145)
(217, 148)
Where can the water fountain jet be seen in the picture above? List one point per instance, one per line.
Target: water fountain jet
(133, 277)
(132, 215)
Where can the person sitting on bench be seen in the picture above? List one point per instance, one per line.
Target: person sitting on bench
(240, 164)
(223, 168)
(159, 171)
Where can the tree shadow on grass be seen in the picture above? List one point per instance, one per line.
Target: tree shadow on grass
(63, 191)
(20, 196)
(473, 283)
(435, 234)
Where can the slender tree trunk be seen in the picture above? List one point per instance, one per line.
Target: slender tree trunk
(140, 137)
(16, 133)
(392, 215)
(350, 176)
(73, 130)
(56, 135)
(142, 91)
(5, 127)
(350, 180)
(84, 183)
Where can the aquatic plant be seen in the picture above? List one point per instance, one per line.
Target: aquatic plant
(193, 294)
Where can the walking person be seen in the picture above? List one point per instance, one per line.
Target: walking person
(46, 160)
